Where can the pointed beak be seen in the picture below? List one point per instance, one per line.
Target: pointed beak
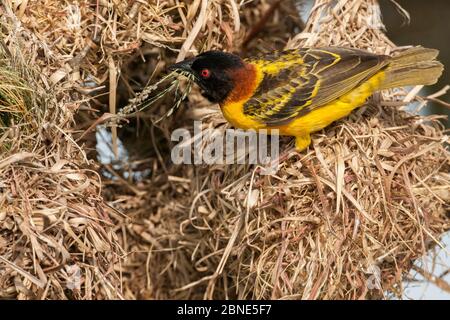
(184, 65)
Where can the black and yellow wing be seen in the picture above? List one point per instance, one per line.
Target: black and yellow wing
(298, 81)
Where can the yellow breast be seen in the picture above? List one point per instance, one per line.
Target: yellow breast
(233, 107)
(234, 114)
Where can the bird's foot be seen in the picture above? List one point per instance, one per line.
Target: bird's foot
(302, 142)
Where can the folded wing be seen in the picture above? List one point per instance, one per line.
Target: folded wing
(306, 79)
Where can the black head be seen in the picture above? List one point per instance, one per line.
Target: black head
(211, 71)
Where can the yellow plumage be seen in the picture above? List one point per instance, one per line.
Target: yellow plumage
(324, 116)
(303, 91)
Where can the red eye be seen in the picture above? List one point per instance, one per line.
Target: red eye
(205, 73)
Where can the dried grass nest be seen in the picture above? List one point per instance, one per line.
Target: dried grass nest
(371, 193)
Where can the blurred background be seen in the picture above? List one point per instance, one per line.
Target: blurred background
(429, 26)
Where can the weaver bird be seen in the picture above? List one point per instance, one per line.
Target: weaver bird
(302, 91)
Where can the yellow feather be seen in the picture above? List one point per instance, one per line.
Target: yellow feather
(233, 112)
(339, 108)
(414, 66)
(274, 67)
(314, 120)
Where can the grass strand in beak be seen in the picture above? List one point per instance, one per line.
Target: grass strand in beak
(142, 100)
(179, 98)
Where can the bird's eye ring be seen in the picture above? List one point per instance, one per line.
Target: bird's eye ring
(205, 73)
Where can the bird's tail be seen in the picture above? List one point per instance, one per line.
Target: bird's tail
(413, 66)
